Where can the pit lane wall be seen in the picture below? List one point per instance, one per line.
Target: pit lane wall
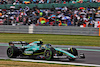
(66, 30)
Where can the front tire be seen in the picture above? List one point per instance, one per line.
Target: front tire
(48, 53)
(12, 52)
(73, 51)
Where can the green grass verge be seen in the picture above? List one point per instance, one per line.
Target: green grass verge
(52, 39)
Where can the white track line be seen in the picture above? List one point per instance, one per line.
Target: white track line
(56, 62)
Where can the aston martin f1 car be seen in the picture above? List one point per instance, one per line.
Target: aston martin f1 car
(37, 50)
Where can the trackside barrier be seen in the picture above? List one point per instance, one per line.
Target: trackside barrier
(64, 30)
(14, 29)
(31, 29)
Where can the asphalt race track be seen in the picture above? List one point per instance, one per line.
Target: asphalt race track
(92, 54)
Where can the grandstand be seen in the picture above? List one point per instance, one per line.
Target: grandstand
(82, 13)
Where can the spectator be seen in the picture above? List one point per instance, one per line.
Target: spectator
(60, 16)
(41, 1)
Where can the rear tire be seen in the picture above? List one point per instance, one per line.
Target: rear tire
(12, 52)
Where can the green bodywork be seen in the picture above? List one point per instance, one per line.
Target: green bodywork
(31, 49)
(65, 52)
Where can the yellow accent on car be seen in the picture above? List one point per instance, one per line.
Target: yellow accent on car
(39, 39)
(71, 49)
(38, 53)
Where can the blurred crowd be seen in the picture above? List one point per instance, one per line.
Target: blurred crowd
(17, 2)
(60, 16)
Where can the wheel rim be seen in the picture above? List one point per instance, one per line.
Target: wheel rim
(47, 54)
(10, 52)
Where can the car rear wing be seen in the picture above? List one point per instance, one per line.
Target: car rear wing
(17, 42)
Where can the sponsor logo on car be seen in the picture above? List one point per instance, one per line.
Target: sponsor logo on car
(28, 52)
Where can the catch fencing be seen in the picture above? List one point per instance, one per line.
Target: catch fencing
(66, 30)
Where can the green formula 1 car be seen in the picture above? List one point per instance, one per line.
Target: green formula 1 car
(38, 50)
